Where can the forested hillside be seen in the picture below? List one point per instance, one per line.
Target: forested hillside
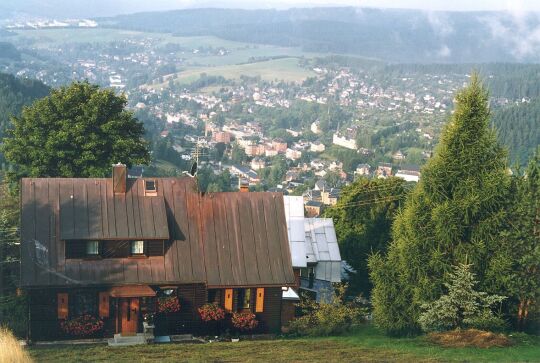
(519, 129)
(15, 93)
(8, 51)
(395, 35)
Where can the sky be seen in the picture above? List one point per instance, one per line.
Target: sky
(434, 5)
(96, 8)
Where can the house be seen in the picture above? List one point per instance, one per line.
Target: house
(115, 247)
(221, 136)
(245, 173)
(293, 154)
(258, 163)
(398, 156)
(316, 259)
(362, 169)
(384, 170)
(344, 141)
(409, 173)
(313, 208)
(312, 194)
(316, 147)
(279, 145)
(315, 127)
(330, 196)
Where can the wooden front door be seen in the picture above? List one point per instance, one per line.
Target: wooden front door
(129, 315)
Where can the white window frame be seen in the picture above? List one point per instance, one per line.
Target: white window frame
(92, 248)
(137, 247)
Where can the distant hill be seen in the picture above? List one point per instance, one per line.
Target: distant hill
(402, 36)
(8, 51)
(14, 94)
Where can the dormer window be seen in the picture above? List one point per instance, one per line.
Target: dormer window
(137, 248)
(150, 187)
(92, 248)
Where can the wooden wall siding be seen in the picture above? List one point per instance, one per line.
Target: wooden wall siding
(222, 239)
(44, 323)
(187, 320)
(270, 318)
(288, 311)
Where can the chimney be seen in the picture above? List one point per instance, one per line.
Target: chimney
(243, 185)
(119, 178)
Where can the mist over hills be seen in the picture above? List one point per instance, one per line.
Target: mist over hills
(403, 36)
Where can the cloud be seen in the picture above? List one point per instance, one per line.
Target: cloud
(440, 23)
(444, 52)
(516, 29)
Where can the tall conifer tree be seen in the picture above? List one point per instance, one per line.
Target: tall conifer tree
(453, 215)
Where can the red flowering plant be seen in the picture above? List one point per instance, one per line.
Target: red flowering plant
(244, 321)
(82, 325)
(169, 304)
(211, 312)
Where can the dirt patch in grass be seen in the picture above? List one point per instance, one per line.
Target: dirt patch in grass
(469, 338)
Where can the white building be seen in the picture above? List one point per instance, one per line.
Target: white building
(316, 147)
(344, 141)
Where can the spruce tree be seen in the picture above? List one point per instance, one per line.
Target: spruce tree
(515, 267)
(456, 210)
(462, 306)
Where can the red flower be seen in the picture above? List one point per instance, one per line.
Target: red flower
(82, 325)
(168, 304)
(209, 312)
(244, 321)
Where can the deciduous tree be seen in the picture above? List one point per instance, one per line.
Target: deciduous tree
(77, 131)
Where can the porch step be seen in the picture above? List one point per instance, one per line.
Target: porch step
(120, 340)
(181, 338)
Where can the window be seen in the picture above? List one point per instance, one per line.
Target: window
(92, 248)
(150, 187)
(83, 302)
(137, 247)
(244, 298)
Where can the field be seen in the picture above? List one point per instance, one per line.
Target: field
(286, 69)
(238, 52)
(366, 345)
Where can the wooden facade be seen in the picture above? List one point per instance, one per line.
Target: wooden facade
(110, 249)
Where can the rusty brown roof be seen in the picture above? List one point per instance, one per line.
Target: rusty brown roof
(222, 239)
(88, 210)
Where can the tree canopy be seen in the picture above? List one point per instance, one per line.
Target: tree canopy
(77, 131)
(455, 213)
(363, 219)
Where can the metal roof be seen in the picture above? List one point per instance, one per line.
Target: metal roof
(88, 210)
(313, 241)
(294, 212)
(222, 239)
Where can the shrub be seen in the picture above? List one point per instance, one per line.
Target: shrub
(244, 321)
(333, 318)
(14, 312)
(462, 306)
(10, 349)
(83, 325)
(168, 304)
(211, 312)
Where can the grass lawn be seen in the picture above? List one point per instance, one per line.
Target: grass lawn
(286, 69)
(366, 345)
